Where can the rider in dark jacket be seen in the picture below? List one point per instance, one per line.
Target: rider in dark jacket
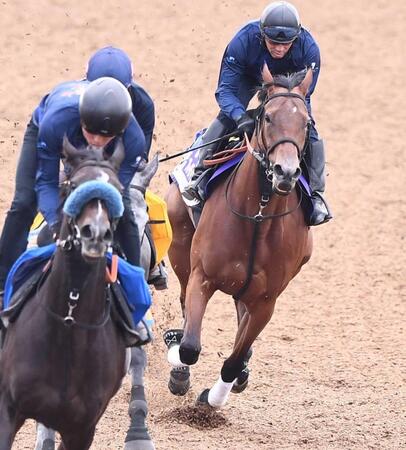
(23, 209)
(279, 40)
(114, 62)
(96, 113)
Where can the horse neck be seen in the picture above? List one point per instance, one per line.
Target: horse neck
(139, 208)
(71, 274)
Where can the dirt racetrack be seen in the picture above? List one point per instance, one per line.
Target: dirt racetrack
(328, 371)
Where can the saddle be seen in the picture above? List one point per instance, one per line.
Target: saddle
(221, 164)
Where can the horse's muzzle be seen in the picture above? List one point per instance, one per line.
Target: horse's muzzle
(283, 180)
(95, 241)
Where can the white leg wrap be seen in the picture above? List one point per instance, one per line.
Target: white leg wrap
(127, 361)
(43, 434)
(174, 358)
(218, 394)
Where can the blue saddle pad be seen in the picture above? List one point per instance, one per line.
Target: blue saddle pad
(131, 279)
(184, 171)
(232, 163)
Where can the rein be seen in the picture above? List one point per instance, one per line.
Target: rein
(265, 178)
(191, 149)
(73, 300)
(261, 155)
(73, 242)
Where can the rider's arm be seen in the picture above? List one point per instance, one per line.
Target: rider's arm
(233, 68)
(135, 151)
(311, 59)
(144, 112)
(47, 179)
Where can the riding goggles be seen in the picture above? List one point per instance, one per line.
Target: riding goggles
(282, 35)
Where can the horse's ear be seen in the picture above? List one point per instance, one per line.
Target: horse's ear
(150, 169)
(307, 81)
(267, 77)
(118, 155)
(68, 150)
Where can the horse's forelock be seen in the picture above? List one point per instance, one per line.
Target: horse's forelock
(287, 81)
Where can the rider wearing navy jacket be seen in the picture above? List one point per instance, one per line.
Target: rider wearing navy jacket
(93, 113)
(279, 40)
(62, 113)
(108, 61)
(114, 62)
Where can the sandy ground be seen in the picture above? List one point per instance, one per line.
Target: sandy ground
(328, 371)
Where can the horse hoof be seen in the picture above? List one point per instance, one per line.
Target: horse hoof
(139, 445)
(48, 444)
(138, 438)
(179, 381)
(241, 382)
(203, 399)
(188, 355)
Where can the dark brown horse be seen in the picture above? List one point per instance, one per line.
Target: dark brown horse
(64, 359)
(251, 239)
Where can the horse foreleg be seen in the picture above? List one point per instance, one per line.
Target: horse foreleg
(198, 293)
(183, 231)
(78, 440)
(45, 438)
(9, 424)
(138, 437)
(241, 382)
(257, 319)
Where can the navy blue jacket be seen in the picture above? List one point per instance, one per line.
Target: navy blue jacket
(242, 64)
(144, 112)
(57, 115)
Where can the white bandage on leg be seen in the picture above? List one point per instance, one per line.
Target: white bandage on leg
(127, 361)
(174, 357)
(218, 394)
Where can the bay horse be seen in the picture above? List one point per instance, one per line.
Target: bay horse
(251, 240)
(64, 359)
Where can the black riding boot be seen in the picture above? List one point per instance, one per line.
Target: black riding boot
(195, 190)
(128, 235)
(315, 161)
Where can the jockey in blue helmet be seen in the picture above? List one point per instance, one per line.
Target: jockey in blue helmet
(23, 209)
(93, 113)
(278, 40)
(114, 62)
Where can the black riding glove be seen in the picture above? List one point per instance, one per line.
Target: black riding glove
(246, 124)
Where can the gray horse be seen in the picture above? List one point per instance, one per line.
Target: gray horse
(137, 437)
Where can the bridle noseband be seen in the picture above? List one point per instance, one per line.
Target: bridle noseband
(73, 240)
(265, 152)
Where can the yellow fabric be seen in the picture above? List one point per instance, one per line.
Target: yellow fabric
(38, 221)
(161, 232)
(157, 211)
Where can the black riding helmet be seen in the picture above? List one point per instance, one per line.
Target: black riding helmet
(280, 22)
(105, 107)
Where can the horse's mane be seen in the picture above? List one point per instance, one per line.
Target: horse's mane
(287, 81)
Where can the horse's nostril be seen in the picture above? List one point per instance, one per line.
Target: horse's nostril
(297, 174)
(278, 170)
(108, 236)
(86, 231)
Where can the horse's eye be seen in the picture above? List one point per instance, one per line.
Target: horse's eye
(268, 118)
